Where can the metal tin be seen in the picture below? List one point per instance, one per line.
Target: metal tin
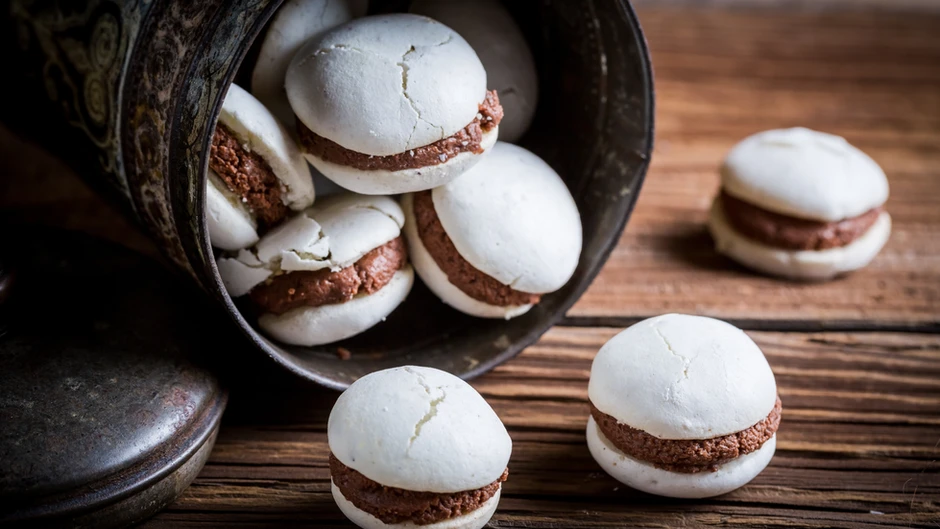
(132, 90)
(108, 406)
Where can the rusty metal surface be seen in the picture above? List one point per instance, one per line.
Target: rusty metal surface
(105, 388)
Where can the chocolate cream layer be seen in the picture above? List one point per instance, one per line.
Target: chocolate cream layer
(247, 175)
(687, 455)
(368, 275)
(392, 505)
(459, 272)
(791, 233)
(467, 139)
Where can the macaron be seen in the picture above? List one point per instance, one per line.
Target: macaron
(256, 175)
(416, 446)
(510, 69)
(391, 104)
(493, 241)
(294, 23)
(682, 406)
(328, 273)
(800, 204)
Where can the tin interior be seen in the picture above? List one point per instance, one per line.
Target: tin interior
(593, 125)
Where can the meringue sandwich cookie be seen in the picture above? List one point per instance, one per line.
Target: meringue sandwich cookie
(491, 242)
(416, 446)
(682, 406)
(391, 104)
(294, 23)
(256, 173)
(510, 69)
(800, 204)
(329, 273)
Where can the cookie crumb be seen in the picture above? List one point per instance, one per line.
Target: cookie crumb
(343, 353)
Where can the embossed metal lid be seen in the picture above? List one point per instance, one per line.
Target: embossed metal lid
(107, 406)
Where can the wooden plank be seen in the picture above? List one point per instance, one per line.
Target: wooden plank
(870, 77)
(861, 434)
(858, 445)
(722, 75)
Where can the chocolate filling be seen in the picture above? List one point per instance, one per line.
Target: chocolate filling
(393, 505)
(467, 139)
(248, 176)
(459, 272)
(687, 455)
(790, 233)
(369, 274)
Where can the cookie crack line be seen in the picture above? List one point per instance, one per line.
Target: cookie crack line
(378, 210)
(334, 266)
(430, 414)
(404, 78)
(345, 47)
(404, 92)
(420, 379)
(274, 265)
(341, 47)
(512, 284)
(432, 407)
(328, 258)
(686, 361)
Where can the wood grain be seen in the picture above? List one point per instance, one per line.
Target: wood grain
(722, 75)
(860, 439)
(858, 444)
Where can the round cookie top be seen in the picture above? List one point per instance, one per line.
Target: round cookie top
(294, 23)
(502, 48)
(683, 377)
(419, 429)
(512, 217)
(805, 174)
(335, 233)
(384, 84)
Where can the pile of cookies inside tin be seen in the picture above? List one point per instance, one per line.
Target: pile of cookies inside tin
(368, 148)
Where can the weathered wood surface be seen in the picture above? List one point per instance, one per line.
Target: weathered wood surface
(720, 76)
(860, 440)
(858, 444)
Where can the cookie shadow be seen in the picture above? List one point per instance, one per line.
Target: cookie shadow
(694, 246)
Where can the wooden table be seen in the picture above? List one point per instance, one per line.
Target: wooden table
(857, 360)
